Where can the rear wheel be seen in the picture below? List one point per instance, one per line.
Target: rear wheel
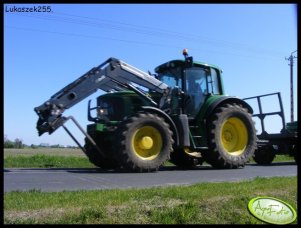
(143, 142)
(231, 137)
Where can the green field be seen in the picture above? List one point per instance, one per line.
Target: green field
(44, 151)
(205, 203)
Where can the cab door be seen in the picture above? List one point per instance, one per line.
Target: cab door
(199, 83)
(195, 89)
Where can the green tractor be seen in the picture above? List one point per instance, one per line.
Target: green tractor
(181, 114)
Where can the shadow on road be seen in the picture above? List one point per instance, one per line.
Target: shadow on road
(275, 164)
(170, 168)
(161, 169)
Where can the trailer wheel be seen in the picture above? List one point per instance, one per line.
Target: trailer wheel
(231, 137)
(97, 159)
(295, 153)
(183, 160)
(143, 142)
(264, 155)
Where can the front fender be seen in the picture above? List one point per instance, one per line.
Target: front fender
(166, 117)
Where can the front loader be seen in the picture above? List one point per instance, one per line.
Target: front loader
(180, 114)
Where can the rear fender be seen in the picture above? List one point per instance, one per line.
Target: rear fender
(225, 100)
(215, 104)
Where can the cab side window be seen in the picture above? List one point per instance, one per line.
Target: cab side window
(213, 82)
(195, 87)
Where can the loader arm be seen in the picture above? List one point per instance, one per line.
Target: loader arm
(111, 76)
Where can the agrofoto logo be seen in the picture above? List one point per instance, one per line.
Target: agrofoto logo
(272, 210)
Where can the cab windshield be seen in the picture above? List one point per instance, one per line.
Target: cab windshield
(172, 77)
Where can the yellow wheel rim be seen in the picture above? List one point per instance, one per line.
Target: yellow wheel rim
(234, 136)
(147, 142)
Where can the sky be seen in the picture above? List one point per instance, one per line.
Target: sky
(45, 51)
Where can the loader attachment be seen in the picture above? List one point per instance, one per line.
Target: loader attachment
(111, 76)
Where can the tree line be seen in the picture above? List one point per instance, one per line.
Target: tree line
(18, 144)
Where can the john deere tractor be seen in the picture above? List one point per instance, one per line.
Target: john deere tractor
(181, 113)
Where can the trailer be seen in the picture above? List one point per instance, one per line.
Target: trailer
(271, 144)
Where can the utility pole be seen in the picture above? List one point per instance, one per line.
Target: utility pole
(291, 64)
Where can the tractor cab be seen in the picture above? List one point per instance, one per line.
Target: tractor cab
(197, 81)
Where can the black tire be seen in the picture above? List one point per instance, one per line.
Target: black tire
(183, 160)
(295, 153)
(104, 162)
(143, 142)
(231, 137)
(264, 155)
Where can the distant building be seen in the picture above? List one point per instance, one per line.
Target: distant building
(44, 145)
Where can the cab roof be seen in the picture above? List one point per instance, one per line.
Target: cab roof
(175, 63)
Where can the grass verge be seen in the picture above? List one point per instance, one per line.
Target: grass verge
(46, 161)
(205, 203)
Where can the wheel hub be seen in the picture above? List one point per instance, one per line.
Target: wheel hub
(146, 143)
(227, 136)
(234, 136)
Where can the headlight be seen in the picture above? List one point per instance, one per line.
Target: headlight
(102, 111)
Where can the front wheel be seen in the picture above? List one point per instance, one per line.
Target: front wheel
(231, 137)
(143, 142)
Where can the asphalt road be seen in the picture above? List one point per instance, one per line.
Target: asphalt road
(53, 180)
